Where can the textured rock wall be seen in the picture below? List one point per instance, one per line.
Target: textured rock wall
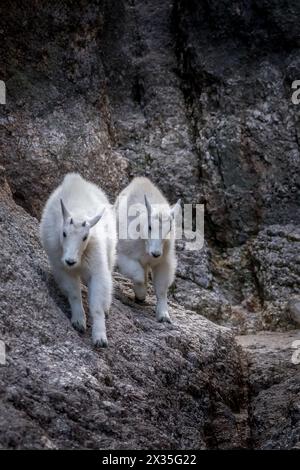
(155, 387)
(57, 116)
(237, 62)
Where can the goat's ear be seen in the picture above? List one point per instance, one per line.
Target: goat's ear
(96, 219)
(148, 205)
(175, 209)
(65, 213)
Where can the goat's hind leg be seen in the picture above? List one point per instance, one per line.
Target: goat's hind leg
(163, 275)
(135, 271)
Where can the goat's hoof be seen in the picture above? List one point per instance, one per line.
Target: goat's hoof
(79, 326)
(164, 319)
(100, 343)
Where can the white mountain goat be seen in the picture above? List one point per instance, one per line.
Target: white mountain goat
(147, 241)
(78, 232)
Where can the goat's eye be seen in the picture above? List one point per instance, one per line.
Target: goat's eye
(149, 228)
(84, 238)
(64, 234)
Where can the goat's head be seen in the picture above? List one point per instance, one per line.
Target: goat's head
(160, 223)
(74, 236)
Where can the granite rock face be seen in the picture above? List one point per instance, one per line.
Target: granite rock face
(57, 117)
(273, 368)
(197, 96)
(237, 84)
(275, 254)
(156, 386)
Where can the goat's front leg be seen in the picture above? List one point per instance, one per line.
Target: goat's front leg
(163, 276)
(100, 293)
(135, 271)
(70, 286)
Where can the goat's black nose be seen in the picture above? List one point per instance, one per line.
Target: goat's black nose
(155, 255)
(70, 262)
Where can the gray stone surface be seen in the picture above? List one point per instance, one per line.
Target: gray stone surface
(238, 89)
(155, 387)
(275, 254)
(57, 117)
(294, 309)
(273, 370)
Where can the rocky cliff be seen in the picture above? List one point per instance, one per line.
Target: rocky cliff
(196, 95)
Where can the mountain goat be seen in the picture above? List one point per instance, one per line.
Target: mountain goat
(152, 247)
(78, 232)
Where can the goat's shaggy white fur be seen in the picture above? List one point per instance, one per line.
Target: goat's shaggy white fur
(78, 232)
(150, 252)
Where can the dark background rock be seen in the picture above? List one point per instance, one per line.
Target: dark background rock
(196, 95)
(235, 59)
(274, 387)
(57, 117)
